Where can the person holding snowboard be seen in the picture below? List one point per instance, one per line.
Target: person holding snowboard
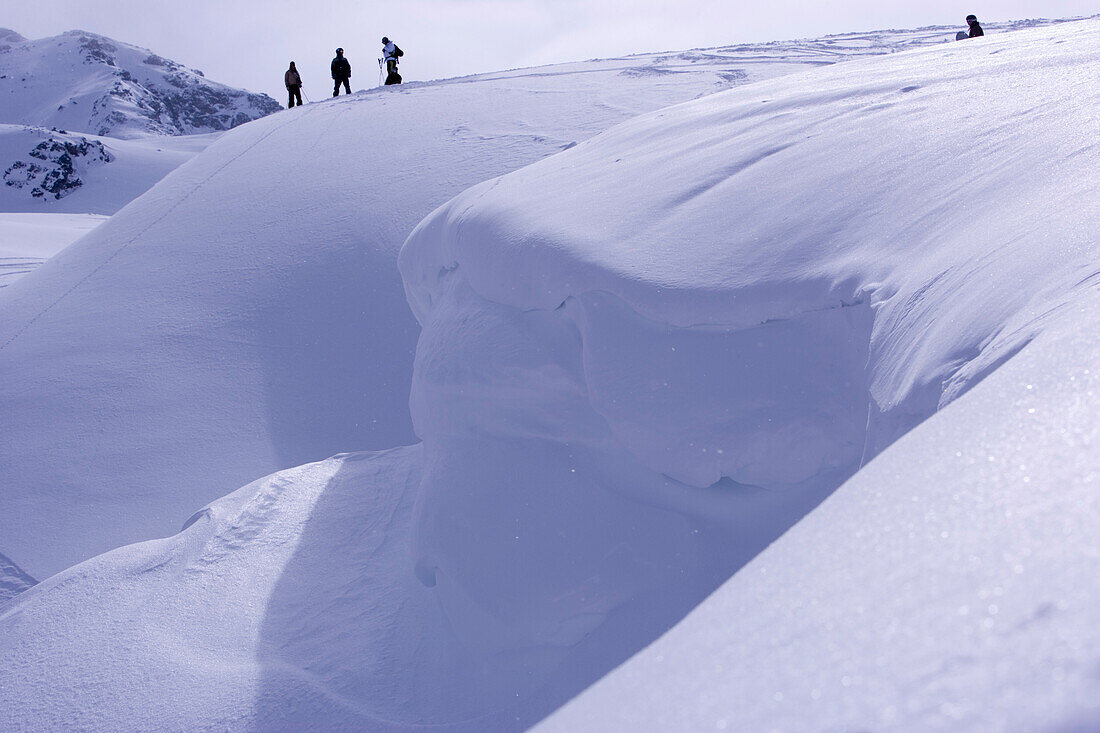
(293, 83)
(390, 54)
(975, 29)
(341, 73)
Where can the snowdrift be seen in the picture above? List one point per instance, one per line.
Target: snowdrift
(246, 314)
(763, 288)
(912, 188)
(949, 585)
(640, 361)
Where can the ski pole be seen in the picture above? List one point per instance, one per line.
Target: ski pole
(306, 96)
(379, 72)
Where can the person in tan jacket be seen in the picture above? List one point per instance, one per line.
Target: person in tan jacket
(293, 83)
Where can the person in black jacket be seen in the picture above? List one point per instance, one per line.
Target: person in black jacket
(341, 73)
(975, 29)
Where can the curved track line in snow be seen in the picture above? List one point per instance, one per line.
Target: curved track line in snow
(149, 226)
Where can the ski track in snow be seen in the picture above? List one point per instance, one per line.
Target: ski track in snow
(11, 268)
(198, 186)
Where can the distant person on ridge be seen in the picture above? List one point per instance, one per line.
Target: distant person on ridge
(390, 54)
(975, 29)
(341, 73)
(293, 83)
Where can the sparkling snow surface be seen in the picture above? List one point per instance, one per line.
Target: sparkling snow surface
(639, 362)
(949, 585)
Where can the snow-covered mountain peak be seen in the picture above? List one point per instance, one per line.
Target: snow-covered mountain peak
(7, 35)
(81, 81)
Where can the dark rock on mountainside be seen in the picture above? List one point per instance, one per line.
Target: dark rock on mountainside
(92, 84)
(54, 165)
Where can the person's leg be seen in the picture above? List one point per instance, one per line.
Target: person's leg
(298, 94)
(347, 86)
(336, 88)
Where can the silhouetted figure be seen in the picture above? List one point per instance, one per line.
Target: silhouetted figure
(975, 29)
(341, 73)
(390, 54)
(293, 83)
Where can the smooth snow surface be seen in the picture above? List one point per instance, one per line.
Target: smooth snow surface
(640, 362)
(28, 240)
(246, 315)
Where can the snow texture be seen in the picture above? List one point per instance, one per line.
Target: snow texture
(950, 585)
(274, 297)
(640, 362)
(83, 82)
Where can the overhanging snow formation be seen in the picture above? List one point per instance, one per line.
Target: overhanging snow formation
(960, 212)
(764, 287)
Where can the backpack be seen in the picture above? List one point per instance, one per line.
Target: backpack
(397, 51)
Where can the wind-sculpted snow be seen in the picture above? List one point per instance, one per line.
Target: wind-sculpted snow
(907, 186)
(764, 287)
(246, 314)
(640, 362)
(950, 585)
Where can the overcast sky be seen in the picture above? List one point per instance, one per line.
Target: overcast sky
(247, 43)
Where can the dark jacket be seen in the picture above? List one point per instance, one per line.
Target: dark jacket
(341, 69)
(975, 29)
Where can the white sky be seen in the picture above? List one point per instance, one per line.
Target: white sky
(247, 43)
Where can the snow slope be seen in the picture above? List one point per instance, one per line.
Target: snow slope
(642, 359)
(52, 172)
(83, 82)
(261, 276)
